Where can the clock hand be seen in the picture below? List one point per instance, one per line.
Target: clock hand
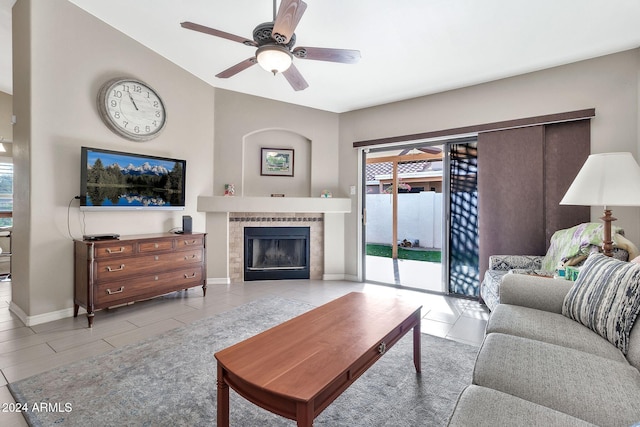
(132, 101)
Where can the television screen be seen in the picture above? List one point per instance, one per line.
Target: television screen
(117, 180)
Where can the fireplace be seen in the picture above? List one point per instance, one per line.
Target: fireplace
(276, 253)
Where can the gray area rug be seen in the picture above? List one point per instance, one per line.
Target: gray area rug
(170, 380)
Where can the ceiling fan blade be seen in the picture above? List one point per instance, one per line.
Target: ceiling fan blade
(345, 56)
(289, 15)
(295, 79)
(207, 30)
(241, 66)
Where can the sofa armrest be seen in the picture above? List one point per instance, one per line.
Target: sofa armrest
(510, 262)
(537, 292)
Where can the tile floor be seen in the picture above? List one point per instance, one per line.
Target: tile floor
(26, 351)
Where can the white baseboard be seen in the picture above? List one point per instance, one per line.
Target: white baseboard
(333, 277)
(352, 278)
(40, 318)
(218, 281)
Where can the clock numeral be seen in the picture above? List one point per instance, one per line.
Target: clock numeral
(157, 114)
(156, 104)
(147, 129)
(116, 114)
(117, 93)
(125, 123)
(113, 103)
(126, 88)
(137, 89)
(136, 129)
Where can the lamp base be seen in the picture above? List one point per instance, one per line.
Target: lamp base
(607, 244)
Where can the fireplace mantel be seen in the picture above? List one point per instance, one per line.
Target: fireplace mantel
(274, 204)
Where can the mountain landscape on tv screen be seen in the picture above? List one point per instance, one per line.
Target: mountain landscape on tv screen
(149, 183)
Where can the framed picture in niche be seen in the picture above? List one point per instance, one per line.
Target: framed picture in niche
(276, 162)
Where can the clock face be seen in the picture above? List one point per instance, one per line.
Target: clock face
(131, 109)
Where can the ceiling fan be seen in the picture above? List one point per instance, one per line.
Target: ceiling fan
(275, 41)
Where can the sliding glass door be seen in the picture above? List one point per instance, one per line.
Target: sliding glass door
(420, 216)
(403, 230)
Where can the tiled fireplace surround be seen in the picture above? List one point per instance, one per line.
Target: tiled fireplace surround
(239, 220)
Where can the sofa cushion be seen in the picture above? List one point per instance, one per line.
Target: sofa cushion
(589, 387)
(606, 298)
(552, 328)
(536, 292)
(485, 407)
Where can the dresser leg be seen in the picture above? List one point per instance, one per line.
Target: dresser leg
(90, 319)
(204, 290)
(76, 307)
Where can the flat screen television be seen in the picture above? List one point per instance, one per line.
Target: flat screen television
(114, 180)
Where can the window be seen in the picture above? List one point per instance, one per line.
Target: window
(6, 192)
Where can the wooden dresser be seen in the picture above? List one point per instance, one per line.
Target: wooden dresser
(135, 268)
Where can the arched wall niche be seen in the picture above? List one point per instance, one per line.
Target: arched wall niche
(256, 185)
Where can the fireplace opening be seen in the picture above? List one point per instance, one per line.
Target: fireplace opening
(276, 253)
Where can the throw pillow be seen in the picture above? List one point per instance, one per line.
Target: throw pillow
(606, 298)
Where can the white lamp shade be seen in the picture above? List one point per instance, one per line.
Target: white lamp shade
(607, 179)
(274, 58)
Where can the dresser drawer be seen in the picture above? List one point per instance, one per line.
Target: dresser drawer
(116, 269)
(148, 286)
(156, 246)
(188, 242)
(112, 249)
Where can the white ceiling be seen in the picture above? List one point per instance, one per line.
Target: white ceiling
(409, 48)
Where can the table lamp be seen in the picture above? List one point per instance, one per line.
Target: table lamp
(607, 179)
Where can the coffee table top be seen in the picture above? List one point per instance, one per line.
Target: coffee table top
(302, 356)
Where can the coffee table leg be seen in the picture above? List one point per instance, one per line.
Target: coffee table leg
(304, 414)
(223, 399)
(417, 353)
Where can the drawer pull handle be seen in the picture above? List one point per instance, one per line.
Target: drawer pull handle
(119, 291)
(112, 251)
(194, 256)
(186, 276)
(156, 246)
(115, 269)
(382, 348)
(190, 242)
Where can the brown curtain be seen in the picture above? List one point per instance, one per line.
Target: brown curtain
(523, 174)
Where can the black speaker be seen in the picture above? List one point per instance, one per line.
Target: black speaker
(187, 226)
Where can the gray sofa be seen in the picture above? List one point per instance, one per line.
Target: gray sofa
(537, 366)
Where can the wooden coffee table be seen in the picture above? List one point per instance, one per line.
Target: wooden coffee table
(298, 368)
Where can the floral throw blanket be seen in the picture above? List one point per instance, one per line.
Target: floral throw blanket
(572, 245)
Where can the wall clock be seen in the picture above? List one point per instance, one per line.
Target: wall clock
(131, 109)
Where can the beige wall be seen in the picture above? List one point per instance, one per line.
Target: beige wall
(70, 54)
(610, 84)
(244, 123)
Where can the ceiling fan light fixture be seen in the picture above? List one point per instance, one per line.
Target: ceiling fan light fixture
(274, 58)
